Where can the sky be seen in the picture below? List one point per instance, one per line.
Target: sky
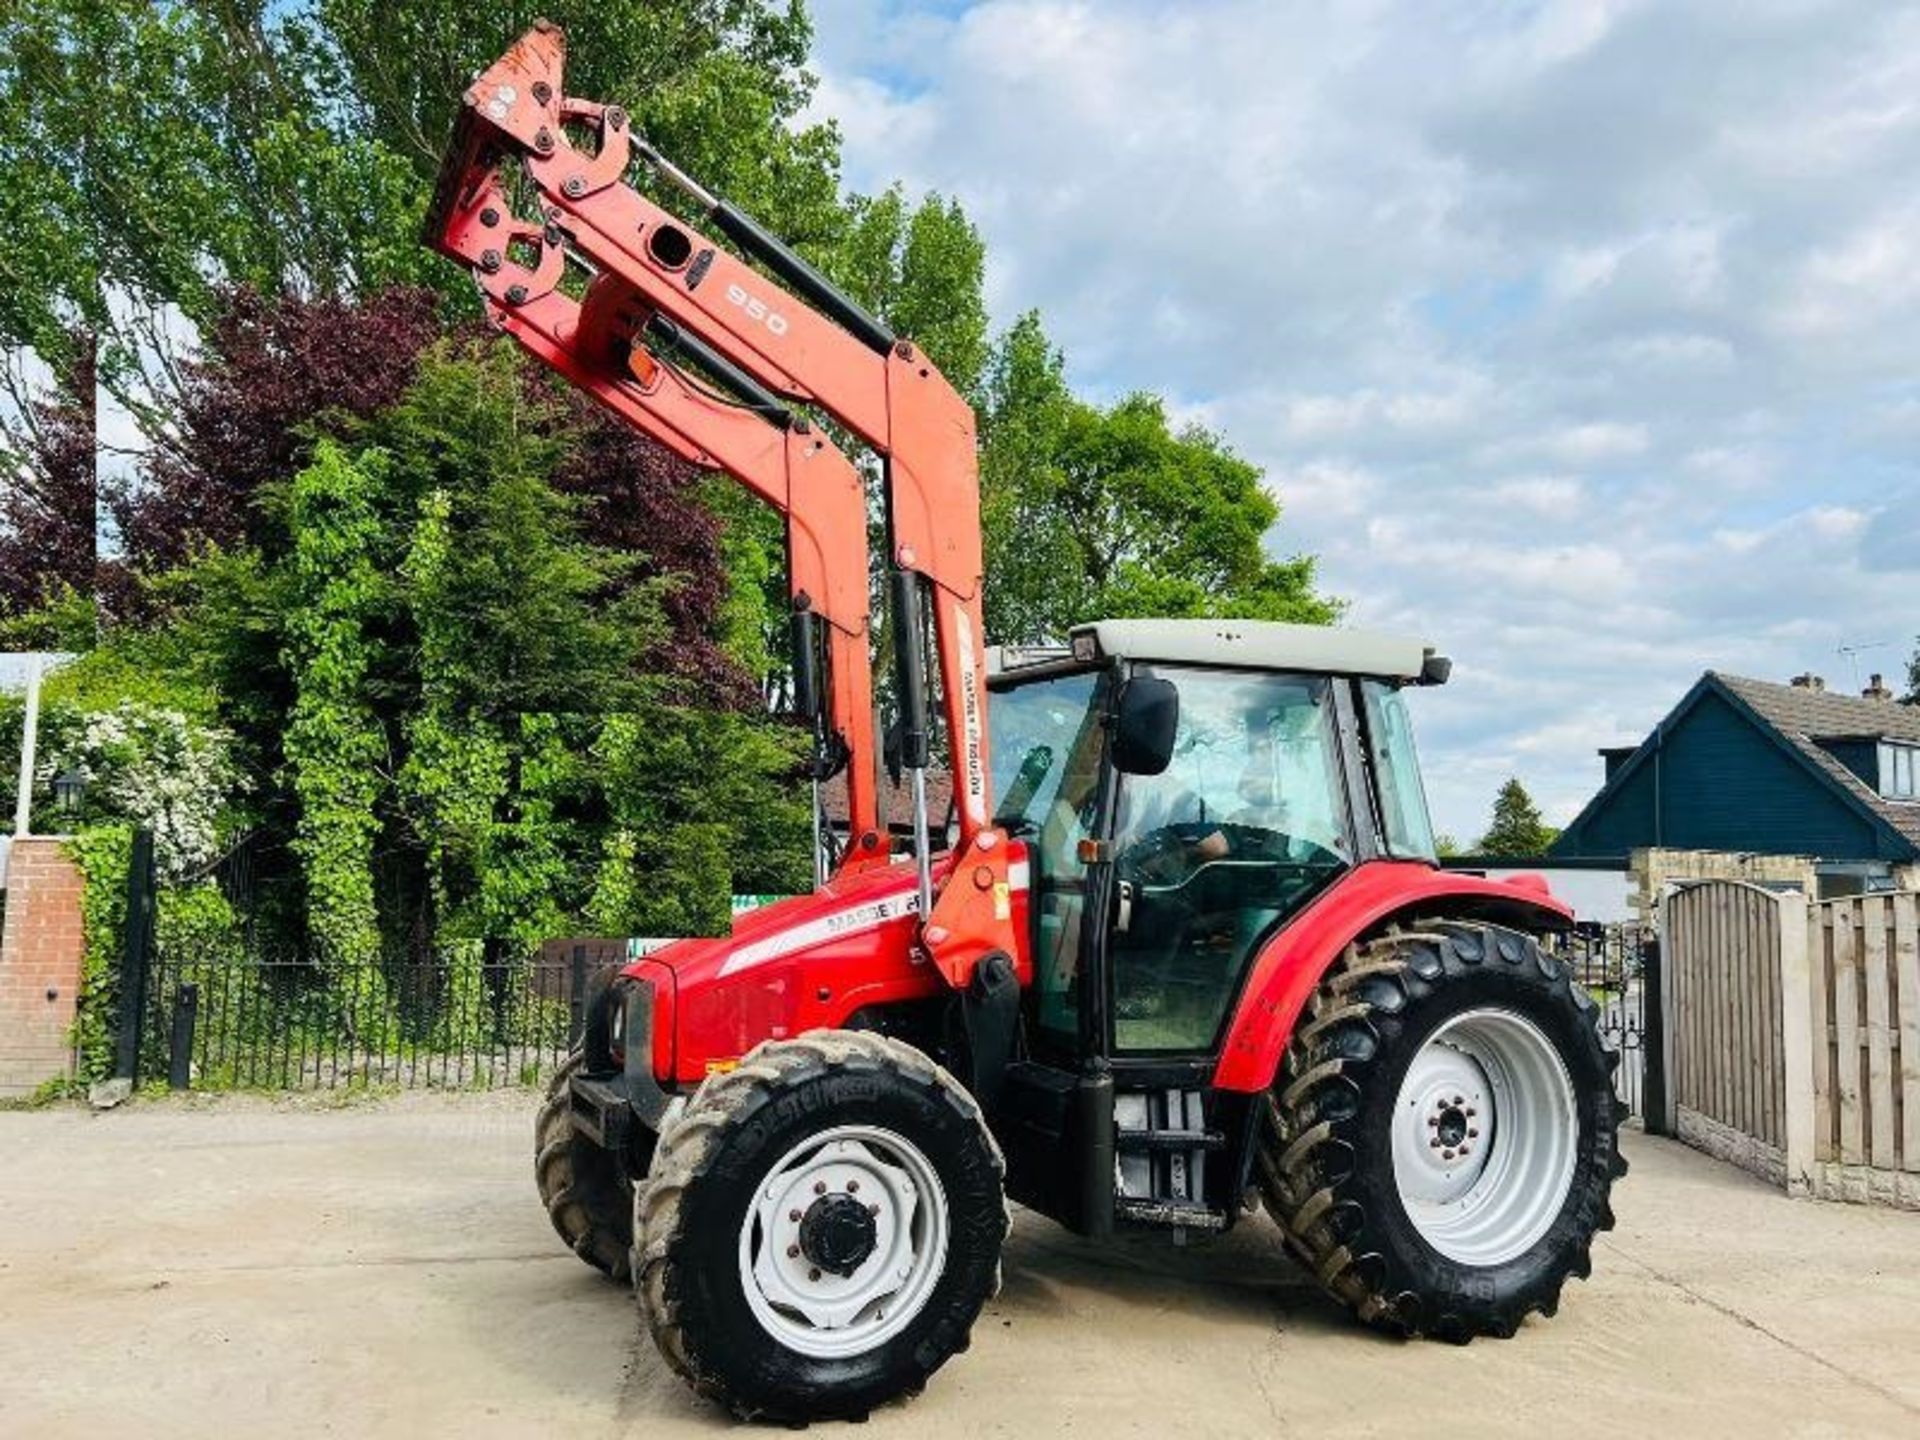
(1577, 338)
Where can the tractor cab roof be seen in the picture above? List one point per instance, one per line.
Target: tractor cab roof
(1247, 644)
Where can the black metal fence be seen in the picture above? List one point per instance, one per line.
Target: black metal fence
(1619, 966)
(455, 1018)
(219, 1008)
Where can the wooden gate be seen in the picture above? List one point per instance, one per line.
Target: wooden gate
(1730, 950)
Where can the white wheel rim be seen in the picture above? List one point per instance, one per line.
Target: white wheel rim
(1485, 1134)
(811, 1308)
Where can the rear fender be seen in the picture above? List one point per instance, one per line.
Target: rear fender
(1290, 966)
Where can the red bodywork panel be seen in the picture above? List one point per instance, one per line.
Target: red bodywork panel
(804, 964)
(1289, 967)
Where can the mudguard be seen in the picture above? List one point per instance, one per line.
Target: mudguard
(1289, 967)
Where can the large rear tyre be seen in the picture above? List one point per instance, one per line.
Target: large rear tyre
(588, 1196)
(1443, 1139)
(820, 1228)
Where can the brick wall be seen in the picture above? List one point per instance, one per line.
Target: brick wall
(1651, 869)
(40, 954)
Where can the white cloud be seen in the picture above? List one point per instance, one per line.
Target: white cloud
(1577, 336)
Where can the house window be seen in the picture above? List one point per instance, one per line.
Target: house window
(1899, 771)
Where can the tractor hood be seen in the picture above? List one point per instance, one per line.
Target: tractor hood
(804, 963)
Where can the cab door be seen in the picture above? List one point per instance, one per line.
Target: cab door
(1247, 824)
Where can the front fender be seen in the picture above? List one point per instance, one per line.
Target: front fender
(1289, 966)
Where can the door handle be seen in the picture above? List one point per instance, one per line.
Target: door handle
(1123, 910)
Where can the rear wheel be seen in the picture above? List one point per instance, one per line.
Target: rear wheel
(588, 1196)
(1442, 1142)
(820, 1228)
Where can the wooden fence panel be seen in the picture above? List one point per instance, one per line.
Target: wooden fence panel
(1906, 976)
(1866, 1031)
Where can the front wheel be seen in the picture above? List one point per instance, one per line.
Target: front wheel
(820, 1228)
(1443, 1139)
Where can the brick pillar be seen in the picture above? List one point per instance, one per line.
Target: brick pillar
(40, 955)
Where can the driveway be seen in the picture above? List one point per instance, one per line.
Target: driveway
(247, 1265)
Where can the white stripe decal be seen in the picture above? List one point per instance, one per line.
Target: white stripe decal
(870, 916)
(974, 788)
(858, 920)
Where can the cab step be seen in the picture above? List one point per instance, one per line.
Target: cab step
(1173, 1213)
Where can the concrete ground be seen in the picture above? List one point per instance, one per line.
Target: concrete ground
(247, 1265)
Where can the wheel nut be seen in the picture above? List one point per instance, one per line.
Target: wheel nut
(1472, 1134)
(852, 1186)
(813, 1274)
(874, 1209)
(1471, 1112)
(1459, 1099)
(794, 1216)
(1433, 1122)
(1434, 1142)
(819, 1187)
(1446, 1154)
(793, 1252)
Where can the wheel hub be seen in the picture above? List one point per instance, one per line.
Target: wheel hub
(844, 1241)
(1484, 1137)
(838, 1233)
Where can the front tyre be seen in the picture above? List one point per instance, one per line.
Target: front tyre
(586, 1192)
(1443, 1139)
(820, 1228)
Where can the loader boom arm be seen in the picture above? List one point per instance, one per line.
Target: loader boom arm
(777, 346)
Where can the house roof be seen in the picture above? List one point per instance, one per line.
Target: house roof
(896, 802)
(1804, 717)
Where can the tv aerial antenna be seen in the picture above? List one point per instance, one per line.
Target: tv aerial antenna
(1853, 653)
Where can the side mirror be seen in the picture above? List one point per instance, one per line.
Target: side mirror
(1144, 728)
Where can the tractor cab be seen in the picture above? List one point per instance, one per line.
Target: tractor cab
(1185, 789)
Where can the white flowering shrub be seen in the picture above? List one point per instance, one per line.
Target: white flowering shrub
(153, 767)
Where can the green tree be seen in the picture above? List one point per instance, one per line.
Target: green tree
(1912, 696)
(1517, 827)
(1092, 512)
(157, 153)
(922, 269)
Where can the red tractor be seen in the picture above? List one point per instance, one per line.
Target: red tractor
(1186, 945)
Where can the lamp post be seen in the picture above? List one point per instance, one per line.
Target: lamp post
(29, 737)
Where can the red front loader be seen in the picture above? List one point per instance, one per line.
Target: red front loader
(1187, 947)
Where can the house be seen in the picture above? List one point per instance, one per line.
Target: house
(1755, 769)
(896, 808)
